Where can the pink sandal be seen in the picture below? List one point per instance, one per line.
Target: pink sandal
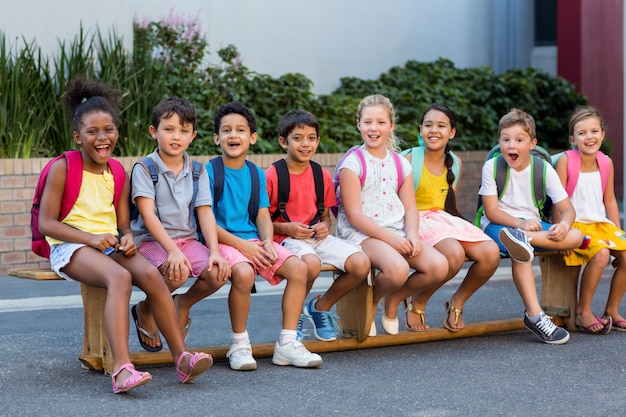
(198, 363)
(135, 379)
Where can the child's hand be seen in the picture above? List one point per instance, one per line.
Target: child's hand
(257, 254)
(402, 245)
(223, 267)
(270, 251)
(320, 230)
(177, 267)
(300, 231)
(417, 246)
(558, 231)
(127, 245)
(103, 242)
(531, 225)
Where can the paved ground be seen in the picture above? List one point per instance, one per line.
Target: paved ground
(506, 374)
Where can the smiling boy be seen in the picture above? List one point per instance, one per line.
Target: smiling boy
(251, 248)
(304, 224)
(513, 220)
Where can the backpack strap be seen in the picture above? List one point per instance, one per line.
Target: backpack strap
(255, 196)
(398, 163)
(573, 169)
(501, 174)
(119, 179)
(218, 179)
(284, 188)
(148, 164)
(538, 170)
(196, 170)
(73, 180)
(318, 178)
(417, 164)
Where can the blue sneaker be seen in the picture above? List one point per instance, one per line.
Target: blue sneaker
(325, 324)
(299, 333)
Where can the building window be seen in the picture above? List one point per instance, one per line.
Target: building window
(545, 22)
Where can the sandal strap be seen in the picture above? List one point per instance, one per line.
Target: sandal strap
(457, 311)
(135, 379)
(412, 309)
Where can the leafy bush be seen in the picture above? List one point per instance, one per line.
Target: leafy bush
(169, 58)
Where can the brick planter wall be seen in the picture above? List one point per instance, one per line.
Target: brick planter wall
(18, 178)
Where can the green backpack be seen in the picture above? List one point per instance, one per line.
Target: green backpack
(538, 163)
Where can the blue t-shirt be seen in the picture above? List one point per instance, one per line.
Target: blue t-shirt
(231, 212)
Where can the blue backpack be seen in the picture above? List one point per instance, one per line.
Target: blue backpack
(417, 163)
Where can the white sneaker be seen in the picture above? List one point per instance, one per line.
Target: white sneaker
(240, 357)
(295, 354)
(517, 244)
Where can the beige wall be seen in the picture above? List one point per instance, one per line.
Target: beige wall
(18, 178)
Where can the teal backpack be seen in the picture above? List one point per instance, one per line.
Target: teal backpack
(417, 163)
(540, 158)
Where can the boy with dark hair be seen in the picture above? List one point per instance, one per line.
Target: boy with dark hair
(301, 223)
(249, 237)
(166, 227)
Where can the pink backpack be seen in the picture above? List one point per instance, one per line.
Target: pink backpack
(356, 149)
(73, 180)
(573, 170)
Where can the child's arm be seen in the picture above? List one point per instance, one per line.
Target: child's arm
(411, 216)
(50, 207)
(177, 266)
(566, 216)
(206, 219)
(610, 202)
(350, 188)
(498, 216)
(561, 169)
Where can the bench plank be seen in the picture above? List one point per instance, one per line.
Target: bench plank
(38, 274)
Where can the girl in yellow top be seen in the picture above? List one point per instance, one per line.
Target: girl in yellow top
(441, 224)
(94, 244)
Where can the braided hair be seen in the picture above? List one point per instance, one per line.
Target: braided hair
(450, 203)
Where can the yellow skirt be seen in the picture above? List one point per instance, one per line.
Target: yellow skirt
(603, 235)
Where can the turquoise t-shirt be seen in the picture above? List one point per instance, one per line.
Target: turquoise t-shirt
(231, 212)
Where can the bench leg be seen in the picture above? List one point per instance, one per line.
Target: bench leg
(559, 294)
(356, 312)
(96, 354)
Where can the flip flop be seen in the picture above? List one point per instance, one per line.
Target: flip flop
(141, 331)
(620, 325)
(608, 326)
(604, 330)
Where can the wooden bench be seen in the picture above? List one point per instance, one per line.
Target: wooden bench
(559, 299)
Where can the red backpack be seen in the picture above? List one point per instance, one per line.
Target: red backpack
(73, 180)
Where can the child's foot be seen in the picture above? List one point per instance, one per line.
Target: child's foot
(240, 357)
(543, 327)
(325, 326)
(415, 317)
(517, 244)
(295, 354)
(147, 331)
(454, 322)
(590, 323)
(127, 378)
(190, 365)
(619, 322)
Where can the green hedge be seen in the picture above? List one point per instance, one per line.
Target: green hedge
(169, 58)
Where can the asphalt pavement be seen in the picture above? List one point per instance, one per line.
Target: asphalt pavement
(507, 374)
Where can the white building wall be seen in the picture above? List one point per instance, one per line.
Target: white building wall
(322, 39)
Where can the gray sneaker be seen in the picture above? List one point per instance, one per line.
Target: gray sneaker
(546, 330)
(517, 244)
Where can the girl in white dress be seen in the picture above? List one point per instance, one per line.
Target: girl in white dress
(381, 214)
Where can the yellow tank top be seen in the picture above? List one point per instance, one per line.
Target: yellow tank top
(432, 190)
(93, 211)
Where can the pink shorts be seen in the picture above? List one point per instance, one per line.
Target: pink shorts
(196, 253)
(233, 256)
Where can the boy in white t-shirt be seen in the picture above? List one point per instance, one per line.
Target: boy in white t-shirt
(513, 220)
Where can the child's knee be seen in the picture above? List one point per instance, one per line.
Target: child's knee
(242, 276)
(294, 270)
(358, 264)
(313, 265)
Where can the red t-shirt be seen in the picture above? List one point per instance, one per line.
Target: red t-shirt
(302, 204)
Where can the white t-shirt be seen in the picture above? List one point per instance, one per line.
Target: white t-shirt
(517, 199)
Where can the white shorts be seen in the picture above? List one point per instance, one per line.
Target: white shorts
(61, 255)
(332, 250)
